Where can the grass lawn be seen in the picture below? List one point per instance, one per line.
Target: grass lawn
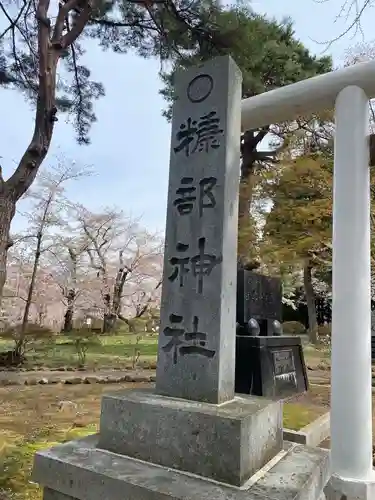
(30, 419)
(112, 351)
(317, 357)
(121, 351)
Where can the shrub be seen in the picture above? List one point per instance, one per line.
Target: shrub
(325, 337)
(136, 352)
(324, 330)
(22, 339)
(293, 328)
(82, 340)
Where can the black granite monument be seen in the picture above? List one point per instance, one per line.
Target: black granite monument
(258, 298)
(267, 363)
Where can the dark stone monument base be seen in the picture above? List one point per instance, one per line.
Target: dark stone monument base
(273, 367)
(259, 297)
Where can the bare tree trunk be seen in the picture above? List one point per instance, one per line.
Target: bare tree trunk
(7, 211)
(42, 315)
(37, 150)
(141, 309)
(114, 307)
(69, 313)
(108, 319)
(30, 292)
(244, 221)
(72, 293)
(129, 322)
(310, 300)
(109, 322)
(51, 46)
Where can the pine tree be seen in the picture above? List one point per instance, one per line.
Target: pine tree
(41, 47)
(269, 56)
(298, 229)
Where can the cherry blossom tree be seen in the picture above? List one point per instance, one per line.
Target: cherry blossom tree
(124, 255)
(41, 49)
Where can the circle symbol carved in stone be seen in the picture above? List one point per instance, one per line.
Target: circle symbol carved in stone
(200, 88)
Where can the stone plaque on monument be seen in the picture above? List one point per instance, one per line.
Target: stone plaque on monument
(273, 367)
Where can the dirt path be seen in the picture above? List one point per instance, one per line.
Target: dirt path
(48, 377)
(319, 377)
(30, 412)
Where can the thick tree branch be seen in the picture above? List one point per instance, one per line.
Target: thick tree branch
(142, 309)
(64, 9)
(27, 169)
(79, 23)
(118, 24)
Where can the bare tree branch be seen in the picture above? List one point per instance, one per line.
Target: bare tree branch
(355, 8)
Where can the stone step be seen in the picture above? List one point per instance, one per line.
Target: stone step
(78, 470)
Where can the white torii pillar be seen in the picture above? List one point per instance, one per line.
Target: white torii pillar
(348, 91)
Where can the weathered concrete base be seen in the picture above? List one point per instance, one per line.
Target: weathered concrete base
(227, 442)
(312, 434)
(80, 471)
(344, 489)
(49, 494)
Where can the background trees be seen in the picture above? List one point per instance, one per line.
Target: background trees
(71, 267)
(269, 56)
(298, 227)
(41, 48)
(124, 257)
(102, 260)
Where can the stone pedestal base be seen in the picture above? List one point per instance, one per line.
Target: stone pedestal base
(345, 489)
(79, 470)
(154, 447)
(227, 442)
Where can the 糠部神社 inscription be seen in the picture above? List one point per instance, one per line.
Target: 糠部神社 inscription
(189, 194)
(199, 265)
(183, 343)
(198, 295)
(199, 135)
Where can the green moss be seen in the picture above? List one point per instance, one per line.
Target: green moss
(17, 454)
(16, 461)
(296, 416)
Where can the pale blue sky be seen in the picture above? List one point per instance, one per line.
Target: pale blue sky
(130, 141)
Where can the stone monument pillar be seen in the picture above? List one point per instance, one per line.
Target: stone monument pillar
(196, 358)
(191, 437)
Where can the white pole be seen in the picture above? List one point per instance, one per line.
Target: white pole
(351, 418)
